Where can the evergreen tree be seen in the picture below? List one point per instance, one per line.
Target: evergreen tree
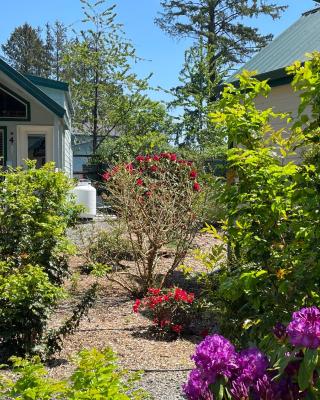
(60, 41)
(48, 53)
(25, 50)
(222, 39)
(192, 99)
(222, 25)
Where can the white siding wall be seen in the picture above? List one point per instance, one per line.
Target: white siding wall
(68, 156)
(281, 99)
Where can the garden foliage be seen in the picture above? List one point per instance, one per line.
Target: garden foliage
(35, 211)
(97, 376)
(290, 371)
(170, 309)
(272, 226)
(158, 199)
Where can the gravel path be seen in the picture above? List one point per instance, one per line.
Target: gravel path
(164, 385)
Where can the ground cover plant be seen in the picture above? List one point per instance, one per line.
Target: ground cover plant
(97, 376)
(158, 199)
(290, 371)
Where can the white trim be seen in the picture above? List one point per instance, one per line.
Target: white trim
(22, 141)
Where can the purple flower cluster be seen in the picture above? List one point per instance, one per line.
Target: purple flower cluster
(246, 373)
(215, 357)
(304, 329)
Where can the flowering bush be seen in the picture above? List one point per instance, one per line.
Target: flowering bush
(223, 373)
(158, 198)
(170, 309)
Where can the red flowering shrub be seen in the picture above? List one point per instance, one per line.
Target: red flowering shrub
(158, 199)
(170, 309)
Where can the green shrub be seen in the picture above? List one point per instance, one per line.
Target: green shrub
(97, 376)
(35, 211)
(27, 297)
(272, 225)
(110, 247)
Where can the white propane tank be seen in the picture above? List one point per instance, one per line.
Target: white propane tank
(86, 196)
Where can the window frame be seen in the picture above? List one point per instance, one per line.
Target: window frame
(4, 155)
(19, 98)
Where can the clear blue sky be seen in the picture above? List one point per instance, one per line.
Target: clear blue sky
(164, 53)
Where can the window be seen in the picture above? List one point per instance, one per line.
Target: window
(37, 149)
(12, 106)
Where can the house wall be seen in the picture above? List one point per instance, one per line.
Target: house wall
(68, 154)
(281, 99)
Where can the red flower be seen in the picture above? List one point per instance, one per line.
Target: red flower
(173, 157)
(193, 174)
(190, 298)
(196, 187)
(154, 168)
(204, 333)
(154, 291)
(129, 167)
(156, 157)
(136, 306)
(189, 163)
(148, 193)
(177, 328)
(140, 158)
(139, 182)
(164, 322)
(165, 155)
(147, 158)
(106, 176)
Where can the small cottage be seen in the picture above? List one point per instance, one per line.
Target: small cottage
(270, 63)
(35, 120)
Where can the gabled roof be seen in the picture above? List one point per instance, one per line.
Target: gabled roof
(32, 89)
(300, 38)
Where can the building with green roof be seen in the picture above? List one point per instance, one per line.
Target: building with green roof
(270, 63)
(35, 120)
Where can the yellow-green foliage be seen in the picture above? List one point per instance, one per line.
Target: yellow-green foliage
(97, 376)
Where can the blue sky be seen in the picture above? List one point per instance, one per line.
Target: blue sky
(164, 55)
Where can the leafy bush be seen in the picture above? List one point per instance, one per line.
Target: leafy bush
(35, 211)
(272, 205)
(289, 372)
(169, 309)
(97, 376)
(158, 199)
(110, 248)
(27, 298)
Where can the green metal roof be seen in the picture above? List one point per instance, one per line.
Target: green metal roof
(300, 38)
(32, 89)
(50, 83)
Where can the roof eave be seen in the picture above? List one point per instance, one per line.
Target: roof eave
(32, 89)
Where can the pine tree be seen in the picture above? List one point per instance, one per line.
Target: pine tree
(222, 25)
(25, 50)
(60, 42)
(48, 53)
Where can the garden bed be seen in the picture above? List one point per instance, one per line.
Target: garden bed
(111, 322)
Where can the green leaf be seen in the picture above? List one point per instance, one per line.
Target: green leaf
(307, 367)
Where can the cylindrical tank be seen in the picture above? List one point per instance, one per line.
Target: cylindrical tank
(86, 196)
